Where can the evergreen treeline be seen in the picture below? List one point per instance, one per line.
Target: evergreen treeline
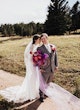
(60, 19)
(21, 29)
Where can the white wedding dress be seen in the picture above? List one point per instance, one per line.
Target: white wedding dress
(29, 89)
(34, 81)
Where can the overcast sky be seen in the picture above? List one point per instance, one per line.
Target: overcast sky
(17, 11)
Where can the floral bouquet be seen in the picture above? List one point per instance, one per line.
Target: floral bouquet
(40, 59)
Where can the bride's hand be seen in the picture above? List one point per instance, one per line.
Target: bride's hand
(41, 70)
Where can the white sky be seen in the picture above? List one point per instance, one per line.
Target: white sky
(17, 11)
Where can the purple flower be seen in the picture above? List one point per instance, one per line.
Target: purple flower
(39, 58)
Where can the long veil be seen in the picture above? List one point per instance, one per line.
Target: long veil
(29, 89)
(33, 81)
(62, 99)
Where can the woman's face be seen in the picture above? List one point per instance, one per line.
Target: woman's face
(38, 41)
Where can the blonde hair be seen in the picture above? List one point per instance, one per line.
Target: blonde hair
(44, 34)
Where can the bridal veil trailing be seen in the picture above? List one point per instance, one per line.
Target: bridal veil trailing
(33, 81)
(29, 89)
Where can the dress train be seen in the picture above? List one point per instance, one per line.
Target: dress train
(34, 81)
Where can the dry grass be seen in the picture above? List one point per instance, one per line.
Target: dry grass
(12, 58)
(68, 53)
(12, 55)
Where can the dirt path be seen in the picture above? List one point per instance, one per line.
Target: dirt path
(7, 80)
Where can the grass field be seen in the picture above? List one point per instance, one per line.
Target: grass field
(68, 48)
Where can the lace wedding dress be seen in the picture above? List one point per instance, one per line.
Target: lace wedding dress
(62, 99)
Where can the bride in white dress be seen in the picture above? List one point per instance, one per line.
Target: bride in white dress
(29, 90)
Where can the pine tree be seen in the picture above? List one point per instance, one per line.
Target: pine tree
(75, 16)
(56, 22)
